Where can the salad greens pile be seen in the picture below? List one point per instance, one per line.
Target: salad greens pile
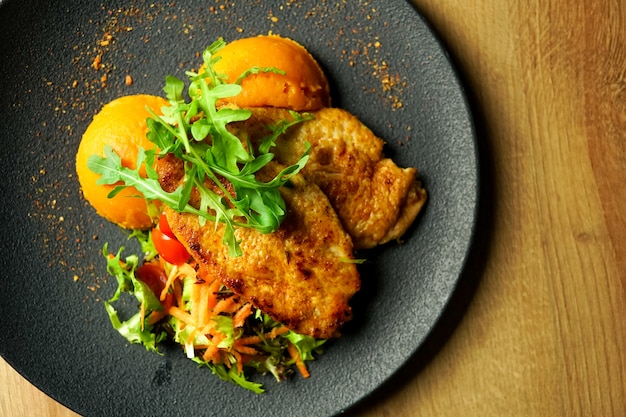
(138, 329)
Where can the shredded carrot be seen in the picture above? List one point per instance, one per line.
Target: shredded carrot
(213, 290)
(204, 315)
(223, 305)
(177, 271)
(250, 340)
(181, 315)
(178, 294)
(238, 361)
(170, 279)
(293, 351)
(275, 332)
(208, 328)
(194, 300)
(198, 305)
(156, 316)
(225, 359)
(244, 349)
(212, 352)
(241, 315)
(200, 346)
(142, 314)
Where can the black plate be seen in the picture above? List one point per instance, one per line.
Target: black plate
(385, 65)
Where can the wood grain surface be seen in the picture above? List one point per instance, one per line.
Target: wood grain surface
(539, 325)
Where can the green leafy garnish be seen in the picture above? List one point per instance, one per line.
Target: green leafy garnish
(134, 329)
(231, 375)
(215, 159)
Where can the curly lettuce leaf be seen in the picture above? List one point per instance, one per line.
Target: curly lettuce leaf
(134, 329)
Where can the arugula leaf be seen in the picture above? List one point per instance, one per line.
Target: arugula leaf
(281, 127)
(197, 132)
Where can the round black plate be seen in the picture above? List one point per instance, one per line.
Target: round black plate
(385, 65)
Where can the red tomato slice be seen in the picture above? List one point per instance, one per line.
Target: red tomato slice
(169, 248)
(165, 226)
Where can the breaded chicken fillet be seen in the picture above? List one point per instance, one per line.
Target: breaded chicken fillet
(302, 275)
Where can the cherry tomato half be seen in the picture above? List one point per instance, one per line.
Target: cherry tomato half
(165, 226)
(169, 248)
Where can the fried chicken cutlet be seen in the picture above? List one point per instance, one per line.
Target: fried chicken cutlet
(302, 275)
(375, 199)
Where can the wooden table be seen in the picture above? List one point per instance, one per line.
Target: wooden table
(542, 331)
